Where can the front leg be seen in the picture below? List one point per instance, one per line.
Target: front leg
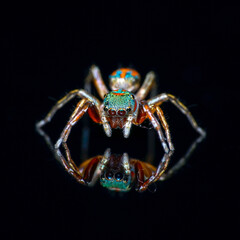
(86, 174)
(72, 94)
(143, 185)
(156, 126)
(56, 107)
(183, 160)
(81, 108)
(168, 97)
(165, 126)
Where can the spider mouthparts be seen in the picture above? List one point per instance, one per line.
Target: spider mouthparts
(107, 129)
(126, 132)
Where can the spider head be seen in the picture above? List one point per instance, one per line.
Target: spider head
(125, 78)
(114, 175)
(119, 103)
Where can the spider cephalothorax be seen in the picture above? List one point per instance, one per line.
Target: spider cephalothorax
(118, 105)
(116, 173)
(122, 107)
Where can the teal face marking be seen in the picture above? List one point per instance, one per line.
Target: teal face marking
(119, 102)
(117, 181)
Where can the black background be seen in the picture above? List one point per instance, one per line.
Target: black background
(193, 48)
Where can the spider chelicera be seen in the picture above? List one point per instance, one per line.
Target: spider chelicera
(123, 106)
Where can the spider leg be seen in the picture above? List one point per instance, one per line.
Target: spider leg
(158, 173)
(80, 93)
(183, 160)
(86, 174)
(148, 83)
(168, 97)
(81, 108)
(165, 126)
(151, 141)
(56, 107)
(156, 126)
(95, 76)
(127, 126)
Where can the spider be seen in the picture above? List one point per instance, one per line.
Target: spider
(123, 106)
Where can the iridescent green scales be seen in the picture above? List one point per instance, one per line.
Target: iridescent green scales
(113, 184)
(119, 100)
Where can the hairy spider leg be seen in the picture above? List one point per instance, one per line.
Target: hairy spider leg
(158, 173)
(148, 84)
(85, 174)
(151, 138)
(79, 111)
(182, 161)
(56, 107)
(69, 96)
(95, 110)
(156, 126)
(143, 170)
(155, 101)
(165, 127)
(95, 76)
(69, 167)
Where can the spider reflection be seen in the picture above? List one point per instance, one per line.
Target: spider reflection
(118, 172)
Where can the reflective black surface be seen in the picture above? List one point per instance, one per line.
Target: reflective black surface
(194, 50)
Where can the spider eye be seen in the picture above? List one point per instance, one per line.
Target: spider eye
(109, 175)
(118, 176)
(112, 112)
(132, 96)
(105, 108)
(125, 179)
(121, 112)
(129, 109)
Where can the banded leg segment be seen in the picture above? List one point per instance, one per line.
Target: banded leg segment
(57, 106)
(156, 126)
(81, 108)
(147, 85)
(74, 93)
(165, 126)
(87, 174)
(158, 173)
(182, 161)
(97, 81)
(168, 97)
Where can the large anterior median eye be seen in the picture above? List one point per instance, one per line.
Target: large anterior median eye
(121, 112)
(109, 175)
(112, 112)
(118, 176)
